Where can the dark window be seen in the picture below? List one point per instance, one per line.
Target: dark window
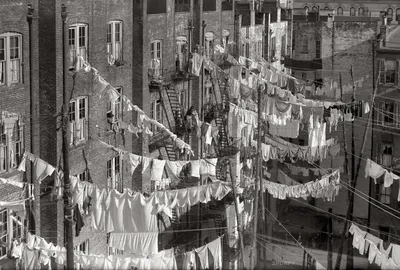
(273, 46)
(156, 6)
(209, 5)
(352, 11)
(340, 11)
(182, 5)
(226, 5)
(317, 49)
(384, 233)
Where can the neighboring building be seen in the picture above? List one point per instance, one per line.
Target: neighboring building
(17, 59)
(348, 8)
(386, 126)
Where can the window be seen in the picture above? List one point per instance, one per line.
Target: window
(387, 71)
(315, 8)
(352, 11)
(318, 49)
(273, 47)
(384, 233)
(227, 4)
(181, 53)
(209, 5)
(114, 41)
(361, 11)
(114, 176)
(304, 47)
(156, 58)
(114, 109)
(78, 120)
(11, 143)
(326, 7)
(83, 247)
(340, 11)
(111, 250)
(78, 43)
(388, 113)
(304, 75)
(383, 193)
(283, 45)
(306, 9)
(385, 154)
(156, 6)
(11, 228)
(225, 37)
(209, 44)
(10, 58)
(182, 5)
(156, 114)
(389, 14)
(398, 14)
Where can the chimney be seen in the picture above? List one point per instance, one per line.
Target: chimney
(384, 31)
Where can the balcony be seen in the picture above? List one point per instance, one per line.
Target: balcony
(160, 76)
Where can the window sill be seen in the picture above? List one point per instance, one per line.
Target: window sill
(78, 145)
(16, 84)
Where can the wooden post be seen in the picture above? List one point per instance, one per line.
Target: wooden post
(330, 238)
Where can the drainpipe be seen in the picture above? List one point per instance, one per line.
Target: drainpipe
(32, 113)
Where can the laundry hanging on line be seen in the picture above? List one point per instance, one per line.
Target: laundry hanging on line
(327, 187)
(214, 248)
(297, 170)
(367, 243)
(36, 254)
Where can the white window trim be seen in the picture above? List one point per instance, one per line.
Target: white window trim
(156, 62)
(384, 195)
(10, 229)
(10, 156)
(181, 43)
(78, 61)
(114, 181)
(116, 108)
(75, 137)
(7, 61)
(113, 44)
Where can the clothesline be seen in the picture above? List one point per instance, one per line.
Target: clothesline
(366, 242)
(114, 95)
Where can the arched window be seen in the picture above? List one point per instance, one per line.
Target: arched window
(326, 7)
(306, 9)
(314, 8)
(352, 11)
(397, 14)
(361, 11)
(340, 11)
(390, 14)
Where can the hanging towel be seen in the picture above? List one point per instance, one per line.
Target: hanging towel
(176, 166)
(189, 261)
(207, 166)
(145, 163)
(157, 169)
(195, 168)
(134, 161)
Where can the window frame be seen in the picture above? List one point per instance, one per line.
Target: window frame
(353, 11)
(318, 49)
(156, 52)
(114, 179)
(112, 42)
(384, 193)
(157, 113)
(273, 47)
(76, 112)
(388, 77)
(341, 11)
(9, 156)
(13, 221)
(209, 38)
(116, 108)
(304, 46)
(359, 11)
(182, 5)
(75, 61)
(390, 14)
(6, 65)
(381, 157)
(181, 53)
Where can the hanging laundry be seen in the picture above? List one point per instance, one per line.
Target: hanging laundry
(134, 161)
(374, 170)
(138, 243)
(176, 167)
(189, 261)
(290, 130)
(197, 61)
(207, 166)
(99, 84)
(157, 169)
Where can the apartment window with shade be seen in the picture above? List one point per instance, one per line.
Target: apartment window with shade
(114, 110)
(11, 143)
(383, 193)
(352, 11)
(389, 14)
(10, 58)
(388, 114)
(384, 155)
(182, 5)
(181, 56)
(11, 228)
(114, 41)
(209, 5)
(114, 176)
(304, 46)
(78, 120)
(387, 71)
(156, 114)
(78, 44)
(318, 49)
(340, 11)
(156, 58)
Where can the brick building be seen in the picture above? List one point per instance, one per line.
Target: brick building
(358, 8)
(385, 129)
(18, 98)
